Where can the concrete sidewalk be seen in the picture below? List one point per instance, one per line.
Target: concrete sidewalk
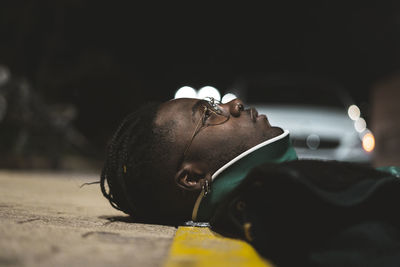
(47, 220)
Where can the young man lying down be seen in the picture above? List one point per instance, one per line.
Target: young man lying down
(190, 159)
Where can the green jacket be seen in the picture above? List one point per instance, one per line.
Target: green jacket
(306, 212)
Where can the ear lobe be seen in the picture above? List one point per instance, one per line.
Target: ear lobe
(190, 178)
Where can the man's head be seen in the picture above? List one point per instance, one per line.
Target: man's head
(161, 156)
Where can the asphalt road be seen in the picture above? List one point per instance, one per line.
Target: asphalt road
(46, 219)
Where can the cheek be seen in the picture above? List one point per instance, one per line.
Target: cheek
(239, 129)
(242, 134)
(236, 134)
(227, 138)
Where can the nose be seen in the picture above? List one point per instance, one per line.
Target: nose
(235, 107)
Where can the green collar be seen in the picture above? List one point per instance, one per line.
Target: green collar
(227, 178)
(393, 170)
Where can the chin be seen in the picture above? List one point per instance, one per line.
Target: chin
(273, 132)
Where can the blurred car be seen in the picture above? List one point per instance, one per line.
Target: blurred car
(317, 117)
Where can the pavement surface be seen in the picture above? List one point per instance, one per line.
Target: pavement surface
(46, 219)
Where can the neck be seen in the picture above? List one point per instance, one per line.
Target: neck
(229, 176)
(252, 157)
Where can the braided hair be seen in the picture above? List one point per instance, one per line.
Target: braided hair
(128, 176)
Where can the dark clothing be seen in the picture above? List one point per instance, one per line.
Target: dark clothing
(314, 213)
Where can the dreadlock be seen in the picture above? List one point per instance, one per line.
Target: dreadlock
(128, 169)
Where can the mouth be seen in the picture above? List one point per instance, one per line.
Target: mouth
(253, 114)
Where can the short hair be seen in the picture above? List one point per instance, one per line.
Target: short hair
(130, 171)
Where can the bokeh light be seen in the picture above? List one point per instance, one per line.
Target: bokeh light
(354, 112)
(313, 141)
(4, 74)
(368, 142)
(209, 91)
(186, 92)
(228, 97)
(360, 125)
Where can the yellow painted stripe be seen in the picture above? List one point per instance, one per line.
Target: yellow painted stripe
(199, 246)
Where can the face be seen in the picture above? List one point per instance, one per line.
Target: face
(208, 135)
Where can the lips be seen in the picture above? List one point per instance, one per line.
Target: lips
(255, 117)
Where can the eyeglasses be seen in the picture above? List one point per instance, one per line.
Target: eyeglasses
(211, 115)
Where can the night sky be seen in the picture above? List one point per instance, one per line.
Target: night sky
(106, 59)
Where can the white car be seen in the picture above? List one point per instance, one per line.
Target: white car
(317, 114)
(318, 132)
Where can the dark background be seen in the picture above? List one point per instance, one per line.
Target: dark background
(106, 58)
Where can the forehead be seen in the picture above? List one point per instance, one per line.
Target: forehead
(179, 110)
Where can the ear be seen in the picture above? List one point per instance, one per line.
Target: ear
(191, 177)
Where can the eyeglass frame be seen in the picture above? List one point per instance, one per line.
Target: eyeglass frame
(214, 109)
